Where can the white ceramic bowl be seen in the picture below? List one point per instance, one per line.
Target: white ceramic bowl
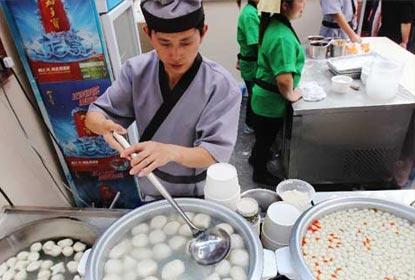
(279, 221)
(341, 83)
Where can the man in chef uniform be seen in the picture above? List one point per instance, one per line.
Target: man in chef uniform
(186, 106)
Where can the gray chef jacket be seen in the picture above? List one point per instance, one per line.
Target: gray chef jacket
(329, 9)
(205, 116)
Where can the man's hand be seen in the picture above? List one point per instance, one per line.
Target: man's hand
(99, 124)
(149, 156)
(108, 126)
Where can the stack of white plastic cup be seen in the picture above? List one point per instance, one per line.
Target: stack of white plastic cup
(279, 221)
(296, 192)
(222, 185)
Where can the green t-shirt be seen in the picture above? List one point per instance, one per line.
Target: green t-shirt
(280, 52)
(247, 36)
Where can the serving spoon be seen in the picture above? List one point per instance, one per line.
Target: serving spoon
(208, 246)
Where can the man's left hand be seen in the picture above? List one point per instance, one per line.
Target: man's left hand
(149, 156)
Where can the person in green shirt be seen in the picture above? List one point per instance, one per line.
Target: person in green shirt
(280, 62)
(247, 37)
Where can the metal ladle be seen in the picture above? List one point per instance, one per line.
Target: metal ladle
(209, 246)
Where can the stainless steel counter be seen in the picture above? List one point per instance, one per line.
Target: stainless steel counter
(345, 138)
(318, 70)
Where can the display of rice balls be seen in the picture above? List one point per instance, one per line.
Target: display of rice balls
(158, 249)
(360, 244)
(46, 260)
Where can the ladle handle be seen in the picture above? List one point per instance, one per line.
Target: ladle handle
(156, 183)
(159, 186)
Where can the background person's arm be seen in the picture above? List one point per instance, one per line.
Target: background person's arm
(344, 25)
(405, 31)
(285, 85)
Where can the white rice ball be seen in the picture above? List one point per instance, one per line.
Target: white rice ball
(158, 222)
(161, 251)
(79, 247)
(213, 276)
(114, 267)
(171, 228)
(239, 257)
(120, 249)
(172, 270)
(140, 240)
(36, 247)
(44, 274)
(146, 268)
(185, 230)
(223, 268)
(129, 264)
(238, 272)
(141, 253)
(33, 266)
(141, 228)
(226, 227)
(177, 242)
(201, 220)
(157, 236)
(236, 241)
(67, 242)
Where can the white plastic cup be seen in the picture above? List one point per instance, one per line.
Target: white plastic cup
(222, 181)
(230, 203)
(296, 192)
(279, 221)
(269, 244)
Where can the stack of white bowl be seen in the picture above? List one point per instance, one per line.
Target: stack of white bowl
(222, 185)
(279, 221)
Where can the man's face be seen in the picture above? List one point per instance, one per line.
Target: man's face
(177, 51)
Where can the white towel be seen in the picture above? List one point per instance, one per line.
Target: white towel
(312, 91)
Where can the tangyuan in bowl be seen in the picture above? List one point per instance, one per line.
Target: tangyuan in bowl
(351, 243)
(151, 242)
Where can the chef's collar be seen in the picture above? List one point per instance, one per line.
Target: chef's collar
(171, 16)
(269, 6)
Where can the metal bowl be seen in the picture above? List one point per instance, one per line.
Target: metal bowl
(334, 205)
(318, 49)
(264, 197)
(113, 235)
(45, 229)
